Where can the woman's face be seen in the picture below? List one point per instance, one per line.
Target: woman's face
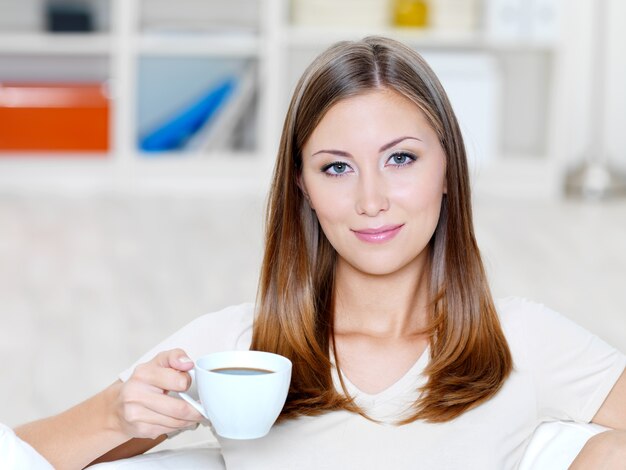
(374, 172)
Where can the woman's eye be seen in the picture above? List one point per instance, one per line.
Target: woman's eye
(336, 168)
(401, 158)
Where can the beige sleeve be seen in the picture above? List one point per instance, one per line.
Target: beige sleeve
(573, 369)
(227, 329)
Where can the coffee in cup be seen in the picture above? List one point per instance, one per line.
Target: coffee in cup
(241, 392)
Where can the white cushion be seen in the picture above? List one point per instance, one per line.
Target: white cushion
(190, 458)
(555, 445)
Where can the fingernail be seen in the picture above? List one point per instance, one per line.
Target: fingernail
(184, 359)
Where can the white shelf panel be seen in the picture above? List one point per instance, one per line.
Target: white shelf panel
(199, 44)
(298, 36)
(58, 43)
(185, 162)
(201, 173)
(26, 159)
(178, 172)
(57, 172)
(161, 161)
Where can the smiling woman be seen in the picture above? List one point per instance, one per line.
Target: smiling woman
(372, 152)
(372, 285)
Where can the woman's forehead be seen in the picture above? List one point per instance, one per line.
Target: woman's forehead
(375, 115)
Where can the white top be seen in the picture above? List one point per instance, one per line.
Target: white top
(16, 453)
(561, 372)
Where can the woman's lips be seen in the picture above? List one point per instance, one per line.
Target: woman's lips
(379, 234)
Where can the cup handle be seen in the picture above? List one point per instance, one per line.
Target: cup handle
(190, 400)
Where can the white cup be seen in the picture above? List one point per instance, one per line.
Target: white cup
(239, 400)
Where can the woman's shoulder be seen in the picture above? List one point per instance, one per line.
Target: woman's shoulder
(221, 330)
(520, 309)
(230, 325)
(537, 327)
(232, 315)
(520, 317)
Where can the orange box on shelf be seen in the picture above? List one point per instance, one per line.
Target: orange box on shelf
(43, 117)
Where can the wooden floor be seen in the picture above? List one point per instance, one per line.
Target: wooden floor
(89, 283)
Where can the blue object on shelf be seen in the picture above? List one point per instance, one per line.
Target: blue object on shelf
(174, 133)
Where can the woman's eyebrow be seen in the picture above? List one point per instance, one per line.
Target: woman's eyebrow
(397, 141)
(339, 153)
(388, 145)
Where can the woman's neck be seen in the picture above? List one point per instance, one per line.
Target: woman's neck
(390, 306)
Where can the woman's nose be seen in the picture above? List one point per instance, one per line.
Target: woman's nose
(371, 195)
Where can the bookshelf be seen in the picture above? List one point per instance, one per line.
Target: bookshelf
(131, 32)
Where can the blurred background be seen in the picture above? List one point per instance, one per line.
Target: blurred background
(137, 139)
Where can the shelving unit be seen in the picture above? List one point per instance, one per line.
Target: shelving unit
(271, 44)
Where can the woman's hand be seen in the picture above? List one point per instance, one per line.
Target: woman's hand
(107, 425)
(143, 407)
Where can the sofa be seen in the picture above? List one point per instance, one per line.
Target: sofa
(553, 446)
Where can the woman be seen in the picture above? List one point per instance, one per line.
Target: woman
(372, 284)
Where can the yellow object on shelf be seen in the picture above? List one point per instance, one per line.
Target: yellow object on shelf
(413, 13)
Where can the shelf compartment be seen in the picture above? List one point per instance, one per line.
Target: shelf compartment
(196, 105)
(200, 16)
(31, 15)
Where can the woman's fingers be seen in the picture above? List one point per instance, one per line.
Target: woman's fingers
(175, 359)
(145, 406)
(163, 410)
(167, 371)
(174, 408)
(163, 378)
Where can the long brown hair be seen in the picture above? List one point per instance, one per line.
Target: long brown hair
(470, 358)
